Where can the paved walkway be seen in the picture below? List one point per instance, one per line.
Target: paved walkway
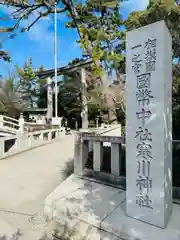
(27, 179)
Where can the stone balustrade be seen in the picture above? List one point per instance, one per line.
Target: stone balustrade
(20, 126)
(21, 142)
(86, 142)
(11, 124)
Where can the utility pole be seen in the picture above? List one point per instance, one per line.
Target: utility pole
(55, 60)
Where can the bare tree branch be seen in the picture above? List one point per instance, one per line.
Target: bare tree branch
(41, 15)
(24, 10)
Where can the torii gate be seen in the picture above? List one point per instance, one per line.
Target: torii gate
(48, 74)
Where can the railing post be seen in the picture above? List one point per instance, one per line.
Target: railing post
(60, 122)
(2, 144)
(16, 144)
(21, 123)
(56, 134)
(120, 126)
(116, 156)
(90, 146)
(30, 139)
(1, 121)
(76, 125)
(20, 142)
(41, 136)
(80, 154)
(23, 141)
(97, 122)
(49, 136)
(97, 155)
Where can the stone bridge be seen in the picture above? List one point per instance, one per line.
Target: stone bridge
(26, 178)
(30, 169)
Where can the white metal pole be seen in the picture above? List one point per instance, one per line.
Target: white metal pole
(55, 60)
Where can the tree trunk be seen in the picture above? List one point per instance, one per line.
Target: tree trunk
(84, 112)
(118, 76)
(112, 118)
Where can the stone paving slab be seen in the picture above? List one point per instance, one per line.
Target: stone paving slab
(81, 205)
(82, 199)
(131, 229)
(67, 187)
(96, 203)
(79, 230)
(77, 203)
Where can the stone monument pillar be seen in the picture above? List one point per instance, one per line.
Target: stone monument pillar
(49, 99)
(149, 124)
(84, 112)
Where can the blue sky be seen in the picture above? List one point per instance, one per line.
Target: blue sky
(38, 43)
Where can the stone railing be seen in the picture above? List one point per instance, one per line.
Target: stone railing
(102, 130)
(85, 143)
(30, 127)
(11, 124)
(14, 126)
(92, 142)
(21, 142)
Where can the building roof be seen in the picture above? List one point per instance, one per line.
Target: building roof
(64, 70)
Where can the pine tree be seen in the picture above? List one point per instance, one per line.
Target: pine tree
(27, 85)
